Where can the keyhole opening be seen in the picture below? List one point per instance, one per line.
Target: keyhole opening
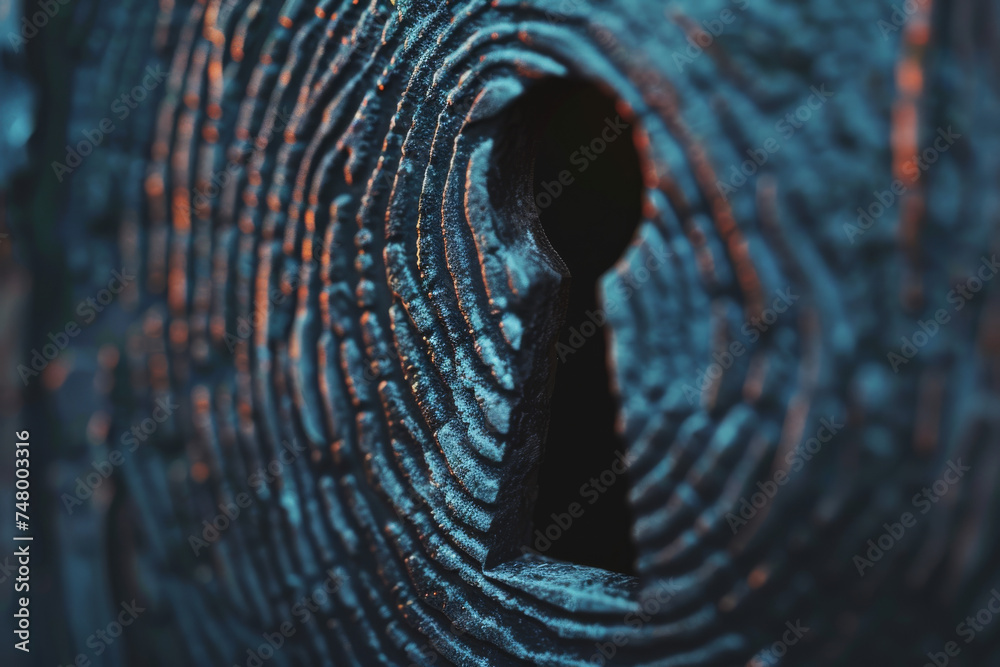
(587, 189)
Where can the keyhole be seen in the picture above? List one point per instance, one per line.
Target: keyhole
(587, 193)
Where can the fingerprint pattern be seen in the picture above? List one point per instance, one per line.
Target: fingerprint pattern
(339, 275)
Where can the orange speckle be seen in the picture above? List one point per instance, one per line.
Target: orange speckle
(107, 356)
(285, 22)
(158, 365)
(909, 77)
(178, 332)
(154, 185)
(757, 578)
(200, 397)
(161, 150)
(181, 207)
(237, 49)
(214, 111)
(904, 139)
(728, 603)
(918, 33)
(97, 427)
(153, 326)
(217, 326)
(55, 374)
(215, 36)
(199, 472)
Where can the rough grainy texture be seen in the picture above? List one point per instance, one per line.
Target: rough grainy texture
(332, 263)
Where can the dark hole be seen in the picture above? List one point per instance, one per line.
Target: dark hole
(587, 188)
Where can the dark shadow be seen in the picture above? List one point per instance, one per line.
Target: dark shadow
(587, 188)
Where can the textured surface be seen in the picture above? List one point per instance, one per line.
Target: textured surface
(336, 259)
